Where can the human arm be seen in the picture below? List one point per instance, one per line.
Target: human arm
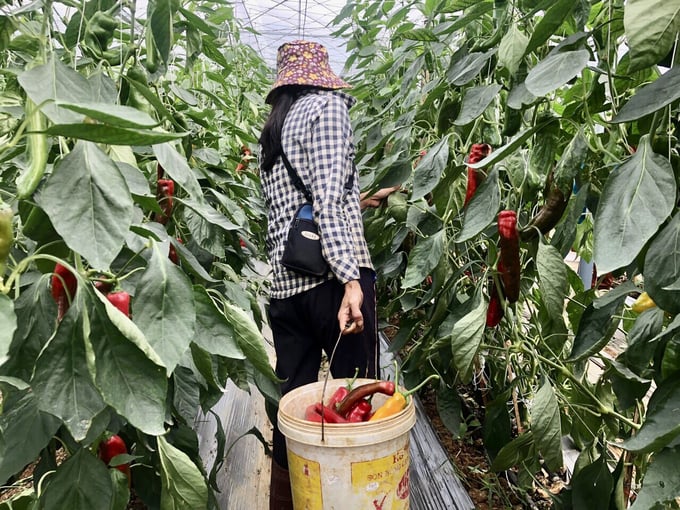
(377, 198)
(350, 318)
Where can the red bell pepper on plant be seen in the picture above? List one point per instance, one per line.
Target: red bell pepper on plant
(478, 152)
(165, 190)
(509, 263)
(63, 287)
(494, 313)
(109, 448)
(120, 300)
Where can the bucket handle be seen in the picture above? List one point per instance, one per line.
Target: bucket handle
(325, 382)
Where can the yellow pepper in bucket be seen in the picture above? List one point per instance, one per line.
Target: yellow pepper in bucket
(398, 401)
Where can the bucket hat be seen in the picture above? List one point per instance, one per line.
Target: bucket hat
(305, 63)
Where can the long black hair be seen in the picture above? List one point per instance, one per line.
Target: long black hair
(281, 100)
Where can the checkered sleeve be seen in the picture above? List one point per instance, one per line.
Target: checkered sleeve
(331, 156)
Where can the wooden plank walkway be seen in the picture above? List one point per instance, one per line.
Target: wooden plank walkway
(244, 475)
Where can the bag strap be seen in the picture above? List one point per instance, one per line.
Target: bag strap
(297, 181)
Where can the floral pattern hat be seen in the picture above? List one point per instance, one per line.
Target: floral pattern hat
(305, 63)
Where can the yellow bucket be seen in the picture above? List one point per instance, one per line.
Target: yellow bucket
(357, 465)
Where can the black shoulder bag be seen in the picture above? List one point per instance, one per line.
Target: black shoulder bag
(302, 252)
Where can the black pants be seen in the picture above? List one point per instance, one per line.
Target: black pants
(305, 324)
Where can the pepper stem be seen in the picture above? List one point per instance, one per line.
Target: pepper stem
(413, 390)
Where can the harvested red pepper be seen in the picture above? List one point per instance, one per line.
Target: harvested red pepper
(494, 313)
(478, 152)
(120, 300)
(109, 448)
(63, 287)
(509, 263)
(360, 412)
(311, 414)
(361, 392)
(337, 396)
(397, 402)
(329, 414)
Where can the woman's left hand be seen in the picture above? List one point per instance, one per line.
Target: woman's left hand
(350, 317)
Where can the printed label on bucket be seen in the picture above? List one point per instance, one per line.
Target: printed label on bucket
(306, 477)
(385, 480)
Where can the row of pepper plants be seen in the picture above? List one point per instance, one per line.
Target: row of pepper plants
(520, 131)
(129, 217)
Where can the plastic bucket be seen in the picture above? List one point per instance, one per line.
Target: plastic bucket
(359, 465)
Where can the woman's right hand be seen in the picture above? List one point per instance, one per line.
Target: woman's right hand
(350, 317)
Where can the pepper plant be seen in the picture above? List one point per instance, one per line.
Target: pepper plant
(125, 234)
(578, 102)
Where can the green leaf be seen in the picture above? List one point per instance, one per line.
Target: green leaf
(210, 214)
(546, 426)
(82, 482)
(114, 115)
(637, 198)
(466, 68)
(467, 334)
(662, 423)
(552, 273)
(89, 204)
(161, 23)
(661, 484)
(595, 328)
(186, 393)
(128, 380)
(550, 22)
(592, 486)
(429, 170)
(651, 29)
(423, 258)
(512, 48)
(482, 208)
(62, 382)
(476, 100)
(164, 308)
(450, 410)
(8, 319)
(662, 267)
(112, 135)
(420, 34)
(571, 163)
(55, 82)
(22, 423)
(249, 339)
(213, 332)
(555, 70)
(514, 453)
(652, 97)
(183, 484)
(176, 166)
(121, 490)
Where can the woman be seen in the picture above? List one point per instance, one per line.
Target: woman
(309, 122)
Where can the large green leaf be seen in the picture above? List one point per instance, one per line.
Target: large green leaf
(514, 452)
(164, 308)
(482, 208)
(114, 115)
(476, 100)
(210, 214)
(467, 67)
(8, 319)
(592, 486)
(511, 49)
(62, 382)
(555, 70)
(213, 332)
(546, 426)
(82, 482)
(128, 380)
(161, 23)
(651, 29)
(661, 484)
(423, 258)
(637, 198)
(24, 431)
(55, 82)
(510, 147)
(651, 98)
(112, 135)
(467, 334)
(596, 327)
(662, 423)
(183, 483)
(89, 204)
(249, 339)
(662, 267)
(429, 169)
(550, 22)
(552, 273)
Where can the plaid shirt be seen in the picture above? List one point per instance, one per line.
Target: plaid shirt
(317, 138)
